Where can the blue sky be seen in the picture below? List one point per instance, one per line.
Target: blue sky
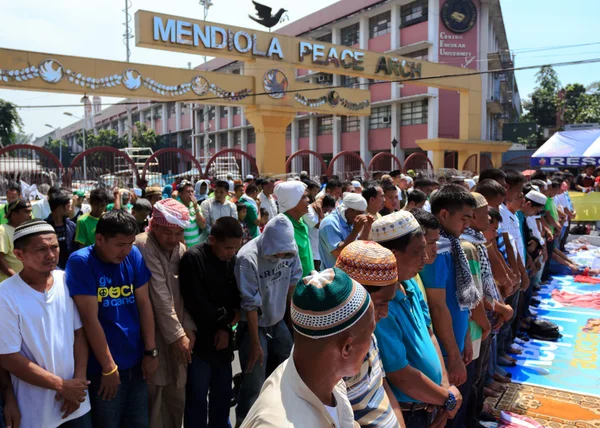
(547, 23)
(95, 29)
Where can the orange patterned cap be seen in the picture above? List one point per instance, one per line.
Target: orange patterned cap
(368, 263)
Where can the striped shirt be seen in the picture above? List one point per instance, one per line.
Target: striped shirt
(191, 235)
(369, 401)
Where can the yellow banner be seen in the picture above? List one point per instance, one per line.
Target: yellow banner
(587, 205)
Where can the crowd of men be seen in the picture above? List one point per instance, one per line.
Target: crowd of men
(373, 303)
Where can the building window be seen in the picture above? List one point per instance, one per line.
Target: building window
(211, 113)
(158, 113)
(381, 117)
(170, 110)
(325, 79)
(236, 111)
(350, 123)
(303, 128)
(135, 117)
(288, 132)
(235, 71)
(184, 108)
(350, 35)
(326, 38)
(251, 136)
(422, 54)
(414, 113)
(380, 24)
(223, 111)
(350, 82)
(325, 125)
(237, 138)
(148, 115)
(413, 13)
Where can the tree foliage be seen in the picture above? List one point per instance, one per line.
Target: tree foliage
(551, 104)
(10, 122)
(53, 146)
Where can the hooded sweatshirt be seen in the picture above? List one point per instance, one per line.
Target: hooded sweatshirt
(264, 280)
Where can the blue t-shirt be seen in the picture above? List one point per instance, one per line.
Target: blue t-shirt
(441, 274)
(403, 338)
(333, 231)
(114, 287)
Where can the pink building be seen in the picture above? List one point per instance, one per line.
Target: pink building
(468, 34)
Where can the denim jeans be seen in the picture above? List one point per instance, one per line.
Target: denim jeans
(129, 408)
(84, 421)
(277, 340)
(418, 419)
(210, 380)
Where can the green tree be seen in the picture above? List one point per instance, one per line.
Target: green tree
(105, 137)
(144, 137)
(543, 103)
(10, 122)
(53, 146)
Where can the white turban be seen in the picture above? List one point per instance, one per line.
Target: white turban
(289, 194)
(354, 201)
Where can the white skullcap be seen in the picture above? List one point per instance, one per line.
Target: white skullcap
(409, 179)
(470, 182)
(393, 226)
(289, 194)
(249, 177)
(354, 201)
(356, 184)
(536, 196)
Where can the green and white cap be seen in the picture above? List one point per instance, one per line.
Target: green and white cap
(328, 303)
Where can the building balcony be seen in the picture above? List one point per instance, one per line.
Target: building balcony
(495, 106)
(414, 47)
(499, 60)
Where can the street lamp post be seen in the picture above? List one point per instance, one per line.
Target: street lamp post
(83, 129)
(60, 143)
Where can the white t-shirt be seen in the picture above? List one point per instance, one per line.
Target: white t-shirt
(40, 326)
(510, 225)
(334, 415)
(311, 219)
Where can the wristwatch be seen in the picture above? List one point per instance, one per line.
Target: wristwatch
(151, 353)
(450, 403)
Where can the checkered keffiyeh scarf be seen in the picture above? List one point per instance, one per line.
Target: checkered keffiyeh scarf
(490, 291)
(467, 294)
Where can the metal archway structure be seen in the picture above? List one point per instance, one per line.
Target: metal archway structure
(471, 164)
(32, 164)
(230, 161)
(165, 165)
(384, 162)
(418, 161)
(103, 166)
(346, 165)
(451, 160)
(306, 160)
(485, 162)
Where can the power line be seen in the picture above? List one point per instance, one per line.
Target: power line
(418, 79)
(548, 48)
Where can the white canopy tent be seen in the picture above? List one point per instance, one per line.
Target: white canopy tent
(569, 149)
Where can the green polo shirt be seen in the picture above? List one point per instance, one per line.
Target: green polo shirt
(3, 219)
(251, 217)
(551, 207)
(304, 247)
(85, 234)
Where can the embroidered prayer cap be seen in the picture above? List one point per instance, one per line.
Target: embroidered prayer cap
(537, 197)
(393, 226)
(480, 200)
(32, 227)
(170, 213)
(328, 303)
(368, 263)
